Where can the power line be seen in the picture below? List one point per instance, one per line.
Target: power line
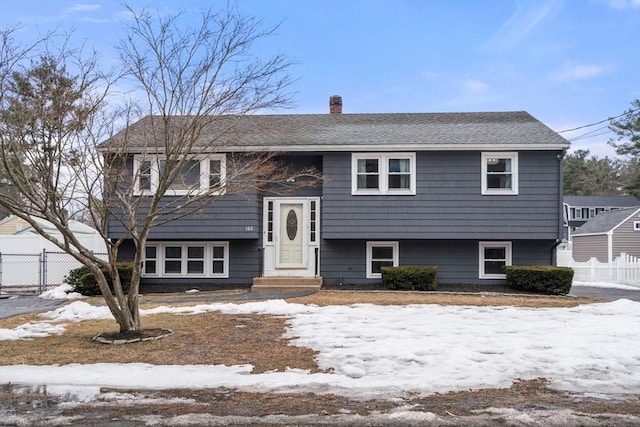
(578, 138)
(591, 133)
(601, 121)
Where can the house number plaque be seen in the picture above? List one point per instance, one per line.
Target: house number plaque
(292, 224)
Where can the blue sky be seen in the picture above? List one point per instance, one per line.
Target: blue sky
(569, 63)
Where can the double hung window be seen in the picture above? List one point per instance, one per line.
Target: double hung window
(383, 173)
(381, 254)
(500, 173)
(494, 256)
(198, 175)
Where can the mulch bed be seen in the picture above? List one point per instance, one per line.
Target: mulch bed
(128, 337)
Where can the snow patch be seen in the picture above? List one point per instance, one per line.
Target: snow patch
(61, 292)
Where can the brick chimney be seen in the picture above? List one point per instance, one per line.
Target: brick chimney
(335, 104)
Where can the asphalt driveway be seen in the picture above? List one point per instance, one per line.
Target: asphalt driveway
(19, 305)
(606, 293)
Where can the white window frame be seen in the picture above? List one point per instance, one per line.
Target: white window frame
(208, 259)
(205, 175)
(383, 174)
(513, 156)
(370, 246)
(636, 225)
(211, 259)
(144, 266)
(508, 261)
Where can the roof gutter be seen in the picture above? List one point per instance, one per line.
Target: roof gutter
(357, 148)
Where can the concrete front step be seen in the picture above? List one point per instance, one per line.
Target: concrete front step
(288, 282)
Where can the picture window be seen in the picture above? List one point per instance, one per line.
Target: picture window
(187, 259)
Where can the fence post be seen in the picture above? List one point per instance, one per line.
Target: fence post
(43, 271)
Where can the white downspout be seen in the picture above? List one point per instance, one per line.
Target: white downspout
(610, 247)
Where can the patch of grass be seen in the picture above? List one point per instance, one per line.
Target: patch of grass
(215, 338)
(203, 339)
(323, 298)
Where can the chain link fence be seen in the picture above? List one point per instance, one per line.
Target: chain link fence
(32, 274)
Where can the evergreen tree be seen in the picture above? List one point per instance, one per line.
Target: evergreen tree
(627, 142)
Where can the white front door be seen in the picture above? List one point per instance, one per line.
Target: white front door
(291, 236)
(290, 239)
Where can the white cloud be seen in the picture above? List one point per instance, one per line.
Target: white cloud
(470, 94)
(579, 72)
(475, 85)
(82, 7)
(528, 15)
(624, 4)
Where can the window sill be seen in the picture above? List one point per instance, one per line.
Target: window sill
(379, 193)
(499, 193)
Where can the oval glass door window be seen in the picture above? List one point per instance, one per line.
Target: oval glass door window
(292, 224)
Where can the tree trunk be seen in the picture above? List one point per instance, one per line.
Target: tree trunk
(126, 315)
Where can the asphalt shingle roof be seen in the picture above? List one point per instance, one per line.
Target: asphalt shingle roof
(602, 201)
(302, 132)
(606, 221)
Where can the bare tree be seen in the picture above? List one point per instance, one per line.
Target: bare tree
(197, 83)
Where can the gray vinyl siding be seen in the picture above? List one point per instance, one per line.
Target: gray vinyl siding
(229, 217)
(237, 216)
(448, 203)
(626, 239)
(586, 247)
(344, 262)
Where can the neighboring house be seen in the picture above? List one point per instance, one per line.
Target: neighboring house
(608, 235)
(29, 262)
(17, 236)
(12, 225)
(580, 209)
(467, 192)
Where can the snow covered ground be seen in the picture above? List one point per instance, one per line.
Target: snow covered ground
(387, 350)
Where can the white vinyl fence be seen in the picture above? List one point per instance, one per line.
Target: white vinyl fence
(624, 270)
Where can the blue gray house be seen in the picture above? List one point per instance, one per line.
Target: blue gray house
(467, 192)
